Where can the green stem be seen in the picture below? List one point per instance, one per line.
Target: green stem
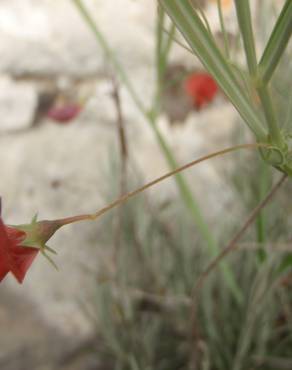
(188, 197)
(247, 34)
(162, 50)
(170, 39)
(270, 115)
(160, 67)
(288, 119)
(277, 43)
(245, 25)
(186, 194)
(223, 29)
(125, 197)
(261, 226)
(233, 244)
(111, 55)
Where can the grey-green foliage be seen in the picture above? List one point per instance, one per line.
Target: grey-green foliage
(143, 312)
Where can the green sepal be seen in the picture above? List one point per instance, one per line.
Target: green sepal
(37, 233)
(51, 261)
(49, 249)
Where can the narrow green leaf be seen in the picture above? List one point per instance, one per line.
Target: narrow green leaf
(223, 29)
(277, 43)
(245, 25)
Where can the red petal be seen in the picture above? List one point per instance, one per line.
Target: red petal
(23, 257)
(3, 271)
(14, 257)
(4, 248)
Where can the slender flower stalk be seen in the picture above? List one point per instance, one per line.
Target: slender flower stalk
(126, 197)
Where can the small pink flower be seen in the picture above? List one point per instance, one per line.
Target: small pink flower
(64, 113)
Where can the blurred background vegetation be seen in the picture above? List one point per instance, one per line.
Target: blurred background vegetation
(137, 300)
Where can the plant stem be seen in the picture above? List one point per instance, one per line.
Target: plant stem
(247, 34)
(277, 43)
(160, 66)
(223, 29)
(111, 55)
(261, 227)
(124, 157)
(270, 115)
(124, 198)
(245, 25)
(288, 119)
(162, 51)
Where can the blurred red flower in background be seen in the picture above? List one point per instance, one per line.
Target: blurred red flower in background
(201, 88)
(64, 113)
(14, 257)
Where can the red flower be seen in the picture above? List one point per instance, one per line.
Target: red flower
(64, 113)
(14, 257)
(19, 245)
(201, 88)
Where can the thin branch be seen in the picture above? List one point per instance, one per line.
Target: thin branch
(124, 198)
(123, 163)
(120, 121)
(176, 40)
(234, 242)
